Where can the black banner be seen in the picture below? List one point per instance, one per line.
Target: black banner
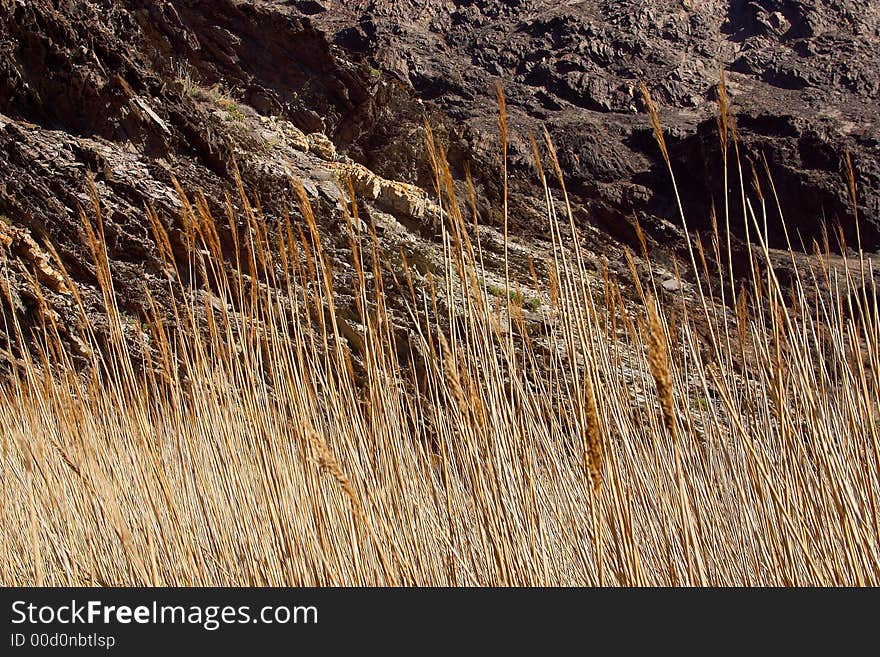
(123, 621)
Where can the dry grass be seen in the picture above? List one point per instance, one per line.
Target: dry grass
(246, 443)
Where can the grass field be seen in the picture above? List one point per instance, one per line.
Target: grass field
(731, 440)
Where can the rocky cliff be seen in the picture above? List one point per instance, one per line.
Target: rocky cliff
(143, 105)
(801, 75)
(135, 97)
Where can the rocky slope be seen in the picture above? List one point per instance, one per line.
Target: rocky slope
(801, 74)
(131, 95)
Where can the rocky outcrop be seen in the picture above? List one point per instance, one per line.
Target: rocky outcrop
(396, 197)
(801, 74)
(128, 101)
(136, 99)
(21, 245)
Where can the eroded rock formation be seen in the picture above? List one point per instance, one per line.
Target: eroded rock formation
(127, 97)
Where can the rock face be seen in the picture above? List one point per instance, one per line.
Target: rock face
(115, 105)
(119, 103)
(801, 75)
